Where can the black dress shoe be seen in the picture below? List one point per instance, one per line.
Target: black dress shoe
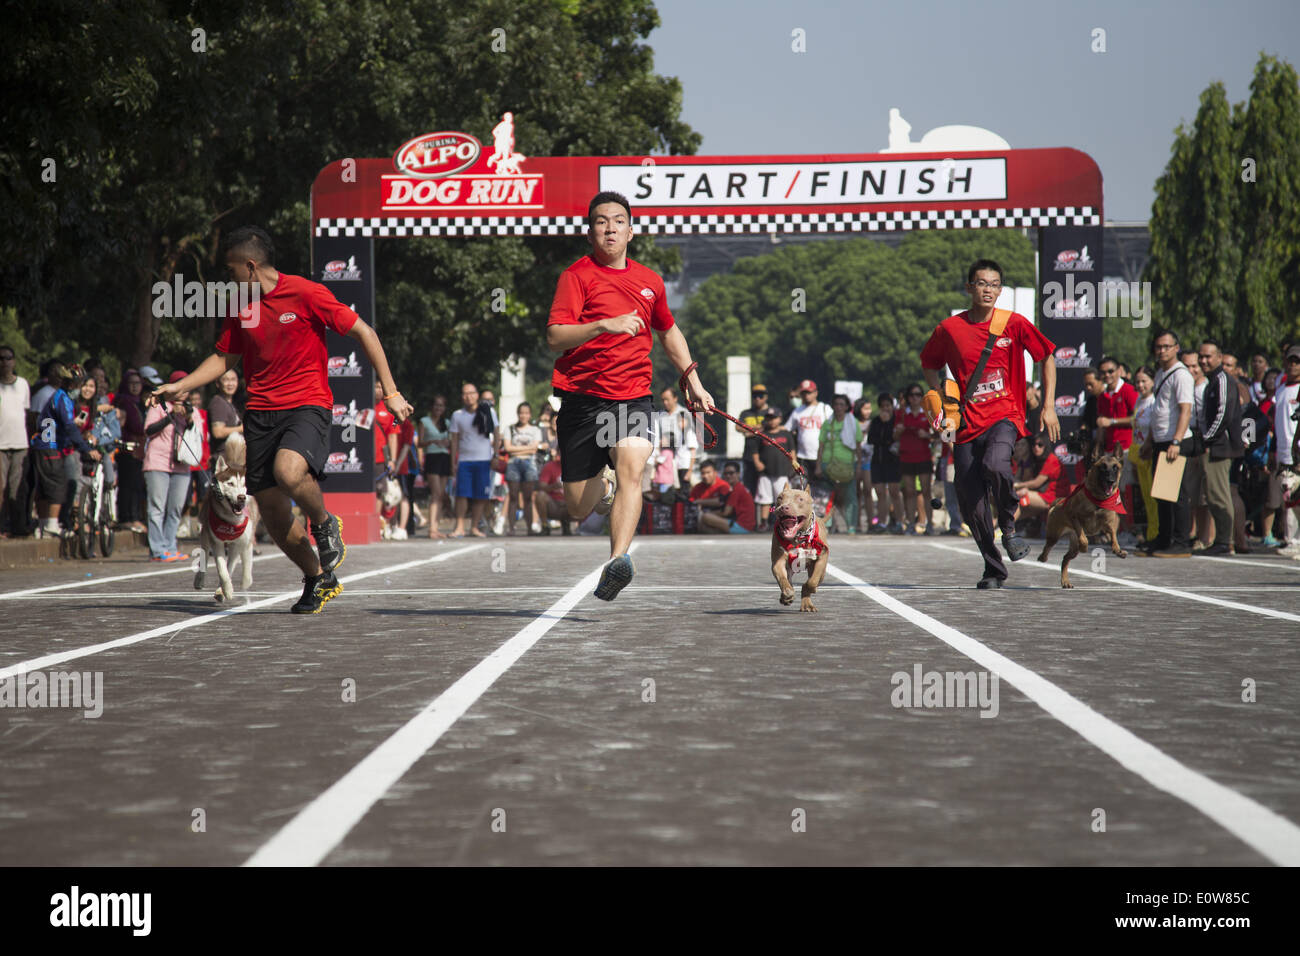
(989, 583)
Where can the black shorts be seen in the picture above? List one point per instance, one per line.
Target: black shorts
(51, 475)
(305, 430)
(588, 427)
(909, 468)
(884, 470)
(437, 464)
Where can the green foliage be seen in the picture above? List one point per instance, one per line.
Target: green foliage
(160, 149)
(869, 308)
(1225, 251)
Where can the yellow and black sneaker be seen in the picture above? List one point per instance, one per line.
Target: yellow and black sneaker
(316, 591)
(329, 543)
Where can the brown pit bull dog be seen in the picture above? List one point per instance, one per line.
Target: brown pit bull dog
(798, 545)
(1091, 509)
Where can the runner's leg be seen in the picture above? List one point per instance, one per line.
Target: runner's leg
(629, 458)
(292, 476)
(290, 535)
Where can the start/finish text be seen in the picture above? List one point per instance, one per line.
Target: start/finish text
(798, 184)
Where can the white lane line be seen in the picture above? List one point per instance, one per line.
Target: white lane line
(1268, 833)
(1274, 565)
(1141, 585)
(49, 660)
(323, 824)
(179, 568)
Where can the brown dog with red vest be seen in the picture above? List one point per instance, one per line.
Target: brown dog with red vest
(798, 545)
(1091, 509)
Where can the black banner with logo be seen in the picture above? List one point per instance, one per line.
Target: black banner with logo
(1069, 278)
(345, 265)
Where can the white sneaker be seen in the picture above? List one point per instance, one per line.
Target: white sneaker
(536, 528)
(399, 534)
(607, 500)
(499, 525)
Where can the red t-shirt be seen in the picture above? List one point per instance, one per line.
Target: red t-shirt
(608, 366)
(551, 473)
(742, 503)
(284, 351)
(1057, 486)
(719, 489)
(957, 343)
(405, 439)
(1118, 404)
(912, 448)
(384, 426)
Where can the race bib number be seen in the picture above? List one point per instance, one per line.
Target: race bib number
(991, 387)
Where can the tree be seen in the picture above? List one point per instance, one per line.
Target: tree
(1268, 302)
(170, 124)
(1225, 225)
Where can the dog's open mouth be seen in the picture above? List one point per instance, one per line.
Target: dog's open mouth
(787, 525)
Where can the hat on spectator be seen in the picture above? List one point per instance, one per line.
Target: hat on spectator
(759, 388)
(807, 385)
(150, 375)
(773, 413)
(176, 376)
(1292, 352)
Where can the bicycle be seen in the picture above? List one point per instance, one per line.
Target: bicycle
(95, 515)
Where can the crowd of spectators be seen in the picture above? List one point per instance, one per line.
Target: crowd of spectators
(877, 467)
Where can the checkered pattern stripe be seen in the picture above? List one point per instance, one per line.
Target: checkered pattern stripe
(688, 224)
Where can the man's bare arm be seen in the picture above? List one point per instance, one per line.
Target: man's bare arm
(679, 354)
(370, 344)
(209, 370)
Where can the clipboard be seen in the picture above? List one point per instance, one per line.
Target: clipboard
(1168, 477)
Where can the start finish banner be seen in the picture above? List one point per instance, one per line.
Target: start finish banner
(449, 183)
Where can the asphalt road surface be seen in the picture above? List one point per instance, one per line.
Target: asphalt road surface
(471, 703)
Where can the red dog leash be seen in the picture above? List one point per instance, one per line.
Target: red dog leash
(712, 439)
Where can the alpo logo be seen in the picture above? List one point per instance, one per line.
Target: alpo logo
(1067, 257)
(1065, 402)
(435, 155)
(1065, 353)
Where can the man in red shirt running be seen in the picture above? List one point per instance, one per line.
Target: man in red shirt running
(604, 308)
(287, 425)
(995, 416)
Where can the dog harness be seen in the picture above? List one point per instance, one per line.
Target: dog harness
(803, 550)
(1110, 503)
(224, 530)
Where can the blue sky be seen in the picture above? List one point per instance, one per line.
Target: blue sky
(1023, 69)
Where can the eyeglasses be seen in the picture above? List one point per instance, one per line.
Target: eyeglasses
(914, 394)
(6, 358)
(1166, 345)
(981, 284)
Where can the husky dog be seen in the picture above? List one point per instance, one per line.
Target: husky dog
(227, 526)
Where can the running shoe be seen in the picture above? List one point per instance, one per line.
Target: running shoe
(316, 592)
(329, 543)
(616, 576)
(1271, 542)
(607, 500)
(894, 528)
